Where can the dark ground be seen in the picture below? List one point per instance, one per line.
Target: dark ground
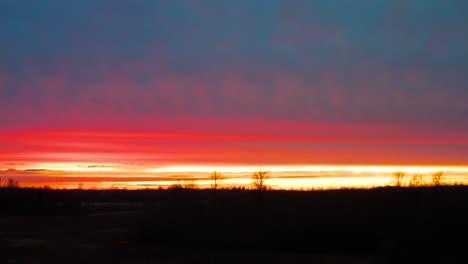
(383, 225)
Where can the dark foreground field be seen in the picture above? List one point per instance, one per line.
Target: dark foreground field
(384, 225)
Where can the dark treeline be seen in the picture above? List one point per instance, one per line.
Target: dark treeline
(377, 221)
(385, 221)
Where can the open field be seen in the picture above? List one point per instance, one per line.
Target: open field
(383, 225)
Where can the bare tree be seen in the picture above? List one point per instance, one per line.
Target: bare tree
(258, 179)
(177, 185)
(398, 177)
(190, 183)
(437, 178)
(216, 178)
(416, 181)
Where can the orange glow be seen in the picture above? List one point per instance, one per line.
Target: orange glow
(69, 175)
(141, 159)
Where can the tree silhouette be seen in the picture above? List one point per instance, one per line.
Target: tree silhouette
(11, 183)
(437, 178)
(398, 178)
(416, 181)
(190, 183)
(258, 179)
(216, 178)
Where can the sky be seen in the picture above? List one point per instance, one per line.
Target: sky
(95, 91)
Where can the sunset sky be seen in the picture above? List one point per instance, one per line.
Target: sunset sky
(140, 93)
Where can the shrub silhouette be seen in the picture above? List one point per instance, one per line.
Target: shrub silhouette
(187, 183)
(11, 183)
(437, 178)
(175, 186)
(398, 177)
(416, 181)
(258, 179)
(190, 183)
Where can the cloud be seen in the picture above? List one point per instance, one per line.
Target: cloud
(302, 145)
(96, 166)
(368, 92)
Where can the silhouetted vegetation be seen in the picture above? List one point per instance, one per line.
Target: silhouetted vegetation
(259, 180)
(375, 225)
(10, 183)
(187, 183)
(398, 178)
(216, 178)
(437, 178)
(377, 222)
(416, 181)
(190, 183)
